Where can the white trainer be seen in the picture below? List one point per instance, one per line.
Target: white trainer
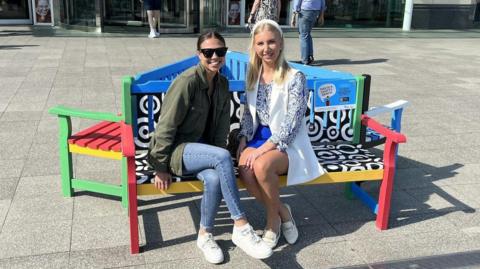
(245, 238)
(212, 252)
(157, 34)
(289, 229)
(152, 34)
(271, 238)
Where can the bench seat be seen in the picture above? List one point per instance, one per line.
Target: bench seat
(338, 157)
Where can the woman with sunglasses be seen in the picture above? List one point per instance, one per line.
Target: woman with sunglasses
(273, 135)
(190, 139)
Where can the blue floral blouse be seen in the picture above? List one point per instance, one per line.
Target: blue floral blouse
(296, 108)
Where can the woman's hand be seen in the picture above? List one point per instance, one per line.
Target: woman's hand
(242, 144)
(252, 156)
(250, 19)
(293, 22)
(163, 180)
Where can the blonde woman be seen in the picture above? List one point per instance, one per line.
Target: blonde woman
(273, 135)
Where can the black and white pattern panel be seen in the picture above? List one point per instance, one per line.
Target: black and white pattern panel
(346, 157)
(142, 137)
(333, 158)
(325, 126)
(235, 111)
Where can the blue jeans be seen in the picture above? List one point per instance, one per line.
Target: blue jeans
(213, 166)
(306, 21)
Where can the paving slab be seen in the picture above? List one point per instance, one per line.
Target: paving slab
(100, 232)
(44, 261)
(28, 239)
(117, 257)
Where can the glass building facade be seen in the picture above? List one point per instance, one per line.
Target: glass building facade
(190, 16)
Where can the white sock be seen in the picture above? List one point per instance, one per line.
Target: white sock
(241, 228)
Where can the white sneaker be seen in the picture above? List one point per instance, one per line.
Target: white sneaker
(289, 229)
(271, 238)
(246, 239)
(212, 252)
(152, 34)
(157, 34)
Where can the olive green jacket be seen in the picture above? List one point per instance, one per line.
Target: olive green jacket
(184, 115)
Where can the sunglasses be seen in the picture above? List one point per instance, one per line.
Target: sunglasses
(208, 53)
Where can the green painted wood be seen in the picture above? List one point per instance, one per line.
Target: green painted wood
(97, 187)
(73, 112)
(127, 99)
(357, 114)
(124, 183)
(66, 170)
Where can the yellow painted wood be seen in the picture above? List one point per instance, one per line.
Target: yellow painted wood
(115, 155)
(334, 177)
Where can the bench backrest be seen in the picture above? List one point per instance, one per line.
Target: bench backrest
(336, 99)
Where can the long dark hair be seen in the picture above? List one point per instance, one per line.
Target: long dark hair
(208, 35)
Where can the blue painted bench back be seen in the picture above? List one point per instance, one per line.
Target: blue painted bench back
(333, 95)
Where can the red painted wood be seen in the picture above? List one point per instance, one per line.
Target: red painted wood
(107, 141)
(104, 136)
(128, 145)
(89, 130)
(379, 128)
(132, 206)
(386, 188)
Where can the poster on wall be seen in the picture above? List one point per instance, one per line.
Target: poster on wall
(42, 12)
(234, 12)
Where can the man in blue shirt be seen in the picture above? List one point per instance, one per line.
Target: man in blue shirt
(307, 12)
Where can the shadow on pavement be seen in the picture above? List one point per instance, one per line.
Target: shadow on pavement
(470, 259)
(15, 47)
(405, 211)
(343, 62)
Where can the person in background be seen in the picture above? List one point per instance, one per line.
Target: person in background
(153, 13)
(190, 139)
(273, 131)
(264, 9)
(305, 14)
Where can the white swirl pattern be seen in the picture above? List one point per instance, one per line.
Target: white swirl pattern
(334, 158)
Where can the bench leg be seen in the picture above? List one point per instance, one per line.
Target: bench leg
(132, 206)
(124, 182)
(386, 188)
(66, 169)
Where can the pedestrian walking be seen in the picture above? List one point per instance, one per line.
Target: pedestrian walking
(264, 9)
(305, 14)
(153, 14)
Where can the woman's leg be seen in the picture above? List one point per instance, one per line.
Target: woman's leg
(250, 180)
(267, 169)
(248, 177)
(212, 196)
(156, 17)
(198, 157)
(151, 20)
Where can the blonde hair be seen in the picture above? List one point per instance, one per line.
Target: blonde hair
(281, 65)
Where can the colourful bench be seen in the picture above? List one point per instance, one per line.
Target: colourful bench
(336, 115)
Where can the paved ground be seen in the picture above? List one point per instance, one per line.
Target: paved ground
(436, 196)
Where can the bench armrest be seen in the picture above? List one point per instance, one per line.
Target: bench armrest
(128, 146)
(374, 111)
(73, 112)
(379, 128)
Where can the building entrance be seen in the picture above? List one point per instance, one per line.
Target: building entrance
(176, 16)
(15, 12)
